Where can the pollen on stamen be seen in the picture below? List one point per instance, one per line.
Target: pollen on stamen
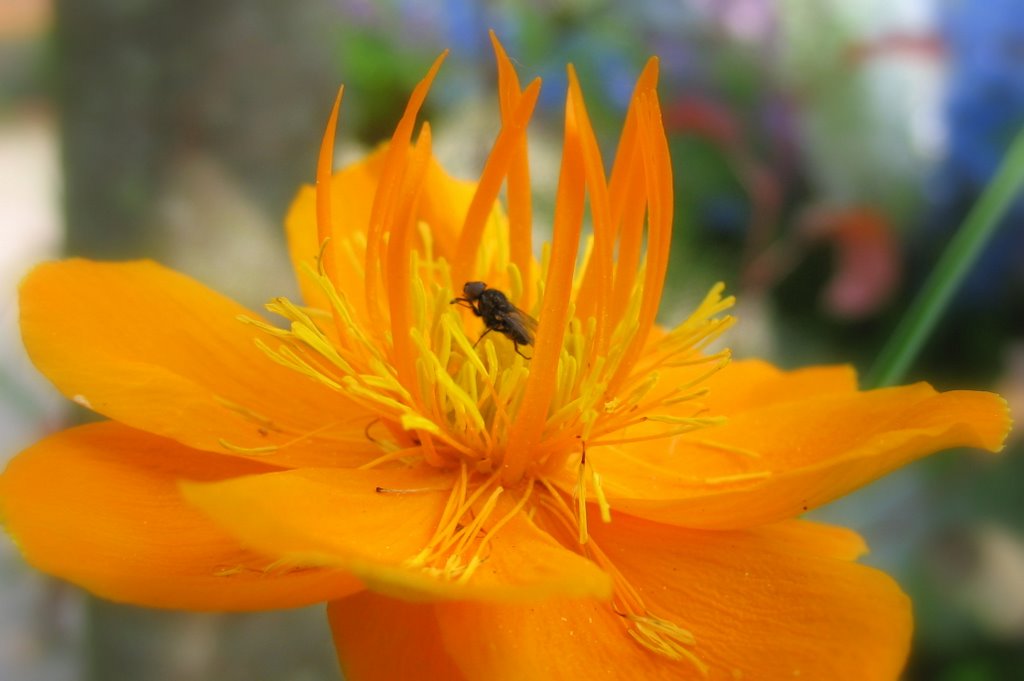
(665, 638)
(658, 635)
(460, 543)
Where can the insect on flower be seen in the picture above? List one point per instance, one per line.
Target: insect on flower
(498, 314)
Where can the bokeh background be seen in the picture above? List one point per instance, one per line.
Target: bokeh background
(824, 153)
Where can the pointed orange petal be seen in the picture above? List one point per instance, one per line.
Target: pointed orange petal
(508, 79)
(384, 198)
(442, 205)
(158, 351)
(99, 506)
(628, 146)
(554, 312)
(594, 298)
(778, 461)
(758, 608)
(627, 195)
(352, 189)
(657, 167)
(399, 250)
(520, 210)
(384, 639)
(630, 227)
(324, 172)
(338, 518)
(491, 179)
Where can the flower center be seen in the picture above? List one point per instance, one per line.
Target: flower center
(451, 397)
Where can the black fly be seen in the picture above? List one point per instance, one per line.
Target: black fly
(498, 314)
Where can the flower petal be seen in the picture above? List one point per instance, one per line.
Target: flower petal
(158, 351)
(761, 604)
(373, 522)
(442, 205)
(352, 190)
(778, 461)
(751, 383)
(383, 639)
(98, 505)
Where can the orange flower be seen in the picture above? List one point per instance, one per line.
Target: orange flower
(614, 500)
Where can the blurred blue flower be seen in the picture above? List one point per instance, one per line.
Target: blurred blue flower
(985, 105)
(984, 110)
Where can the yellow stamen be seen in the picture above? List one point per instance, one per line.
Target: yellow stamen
(255, 451)
(249, 414)
(395, 455)
(665, 638)
(476, 559)
(248, 451)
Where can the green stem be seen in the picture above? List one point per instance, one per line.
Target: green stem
(957, 260)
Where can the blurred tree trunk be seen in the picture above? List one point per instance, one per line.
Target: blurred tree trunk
(142, 82)
(144, 86)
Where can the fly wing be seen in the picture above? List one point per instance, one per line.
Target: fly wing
(521, 326)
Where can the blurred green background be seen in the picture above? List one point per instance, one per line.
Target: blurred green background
(824, 152)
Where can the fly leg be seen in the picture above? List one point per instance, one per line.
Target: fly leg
(489, 329)
(462, 302)
(518, 351)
